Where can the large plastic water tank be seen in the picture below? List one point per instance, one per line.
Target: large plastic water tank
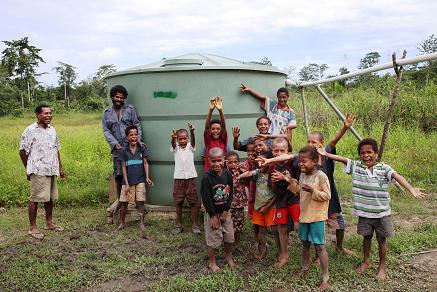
(174, 91)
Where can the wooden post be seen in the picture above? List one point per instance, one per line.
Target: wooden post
(393, 99)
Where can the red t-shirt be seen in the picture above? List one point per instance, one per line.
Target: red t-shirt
(221, 142)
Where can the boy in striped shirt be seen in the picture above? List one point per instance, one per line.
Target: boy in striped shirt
(370, 182)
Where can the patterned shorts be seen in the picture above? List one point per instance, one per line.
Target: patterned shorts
(237, 215)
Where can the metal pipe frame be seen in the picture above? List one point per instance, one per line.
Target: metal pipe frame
(401, 62)
(304, 109)
(337, 111)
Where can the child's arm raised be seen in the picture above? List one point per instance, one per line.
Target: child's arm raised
(173, 139)
(192, 136)
(236, 134)
(346, 125)
(332, 156)
(219, 106)
(260, 96)
(416, 192)
(281, 158)
(210, 110)
(246, 174)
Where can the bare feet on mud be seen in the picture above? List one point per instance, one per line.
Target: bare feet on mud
(363, 267)
(381, 275)
(281, 262)
(213, 267)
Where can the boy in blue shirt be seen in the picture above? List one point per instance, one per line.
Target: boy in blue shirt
(135, 170)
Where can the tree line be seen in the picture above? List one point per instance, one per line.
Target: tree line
(20, 89)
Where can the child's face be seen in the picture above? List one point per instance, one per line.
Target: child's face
(132, 137)
(217, 162)
(282, 99)
(232, 163)
(260, 147)
(263, 126)
(306, 163)
(368, 155)
(314, 140)
(183, 139)
(251, 153)
(216, 130)
(279, 149)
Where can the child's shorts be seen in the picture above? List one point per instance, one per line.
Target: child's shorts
(136, 193)
(313, 232)
(237, 215)
(264, 220)
(214, 238)
(283, 215)
(336, 221)
(383, 227)
(185, 188)
(43, 188)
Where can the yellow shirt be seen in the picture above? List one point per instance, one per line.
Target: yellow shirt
(314, 206)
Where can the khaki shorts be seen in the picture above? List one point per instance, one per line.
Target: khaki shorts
(136, 193)
(225, 232)
(43, 188)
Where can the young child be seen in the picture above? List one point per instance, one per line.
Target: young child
(217, 193)
(215, 134)
(263, 126)
(370, 181)
(239, 200)
(314, 200)
(287, 198)
(247, 165)
(264, 210)
(184, 176)
(260, 146)
(135, 172)
(280, 114)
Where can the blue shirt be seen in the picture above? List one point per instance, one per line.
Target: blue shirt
(134, 164)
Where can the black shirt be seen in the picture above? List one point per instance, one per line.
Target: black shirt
(284, 197)
(217, 191)
(328, 167)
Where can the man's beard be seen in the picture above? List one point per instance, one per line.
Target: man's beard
(118, 105)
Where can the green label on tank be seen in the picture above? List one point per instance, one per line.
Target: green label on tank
(165, 94)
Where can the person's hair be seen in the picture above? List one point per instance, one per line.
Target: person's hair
(368, 141)
(266, 154)
(130, 127)
(118, 89)
(282, 90)
(280, 140)
(232, 153)
(215, 151)
(181, 131)
(39, 108)
(263, 118)
(215, 121)
(311, 150)
(251, 143)
(321, 137)
(258, 139)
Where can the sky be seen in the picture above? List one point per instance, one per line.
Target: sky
(88, 34)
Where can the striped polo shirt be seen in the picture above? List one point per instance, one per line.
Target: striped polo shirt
(370, 189)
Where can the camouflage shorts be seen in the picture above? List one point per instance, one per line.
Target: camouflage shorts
(237, 215)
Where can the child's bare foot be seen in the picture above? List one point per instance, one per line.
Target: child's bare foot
(120, 227)
(346, 251)
(324, 285)
(142, 226)
(381, 275)
(316, 262)
(363, 267)
(302, 272)
(281, 262)
(261, 254)
(213, 267)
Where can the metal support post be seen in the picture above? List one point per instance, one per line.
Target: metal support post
(337, 111)
(304, 109)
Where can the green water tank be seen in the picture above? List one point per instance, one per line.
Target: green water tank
(174, 91)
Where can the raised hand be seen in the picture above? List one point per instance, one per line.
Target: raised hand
(244, 88)
(236, 132)
(191, 127)
(321, 151)
(262, 137)
(212, 103)
(261, 161)
(418, 193)
(174, 135)
(219, 103)
(349, 120)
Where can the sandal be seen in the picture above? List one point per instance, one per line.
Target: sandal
(56, 228)
(36, 235)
